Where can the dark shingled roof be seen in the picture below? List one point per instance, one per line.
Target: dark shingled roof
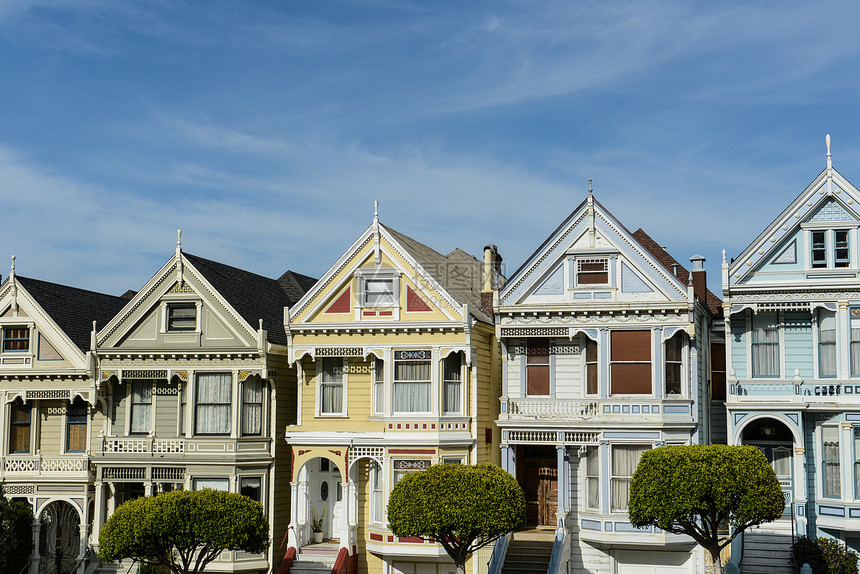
(253, 296)
(73, 309)
(714, 303)
(459, 273)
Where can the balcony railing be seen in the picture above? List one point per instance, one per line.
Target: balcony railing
(550, 409)
(212, 446)
(797, 391)
(143, 445)
(38, 464)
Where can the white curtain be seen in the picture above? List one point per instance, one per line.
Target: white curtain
(782, 462)
(412, 386)
(827, 343)
(592, 478)
(213, 403)
(331, 385)
(141, 406)
(765, 345)
(830, 456)
(376, 477)
(252, 407)
(378, 385)
(624, 461)
(855, 351)
(452, 376)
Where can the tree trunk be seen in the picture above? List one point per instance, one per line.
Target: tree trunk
(715, 559)
(461, 568)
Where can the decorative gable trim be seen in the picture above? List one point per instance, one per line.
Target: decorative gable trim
(343, 304)
(414, 302)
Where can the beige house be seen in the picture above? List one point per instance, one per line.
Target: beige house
(52, 411)
(194, 382)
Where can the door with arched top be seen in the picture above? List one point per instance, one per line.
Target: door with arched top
(59, 538)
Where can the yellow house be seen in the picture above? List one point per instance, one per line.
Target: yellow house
(397, 370)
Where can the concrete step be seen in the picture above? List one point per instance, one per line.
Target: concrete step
(767, 552)
(528, 553)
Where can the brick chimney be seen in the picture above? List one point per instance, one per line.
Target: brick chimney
(700, 278)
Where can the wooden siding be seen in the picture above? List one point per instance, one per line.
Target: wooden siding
(51, 427)
(119, 407)
(166, 413)
(283, 407)
(738, 341)
(798, 344)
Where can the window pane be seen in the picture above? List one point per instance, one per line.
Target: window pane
(765, 345)
(624, 461)
(631, 345)
(537, 367)
(213, 483)
(213, 403)
(452, 367)
(252, 407)
(251, 487)
(830, 457)
(16, 339)
(141, 406)
(182, 317)
(77, 437)
(378, 385)
(827, 343)
(379, 292)
(19, 439)
(630, 378)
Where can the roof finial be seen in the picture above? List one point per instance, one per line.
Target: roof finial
(12, 272)
(377, 255)
(178, 240)
(589, 187)
(724, 255)
(829, 166)
(827, 143)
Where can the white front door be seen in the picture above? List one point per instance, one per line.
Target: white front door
(337, 503)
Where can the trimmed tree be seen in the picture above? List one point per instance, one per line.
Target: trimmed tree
(711, 493)
(461, 507)
(16, 534)
(184, 530)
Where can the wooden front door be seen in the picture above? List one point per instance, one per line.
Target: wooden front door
(539, 480)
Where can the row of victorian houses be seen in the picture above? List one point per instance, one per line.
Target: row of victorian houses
(315, 396)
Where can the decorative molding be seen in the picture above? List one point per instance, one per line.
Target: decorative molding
(319, 288)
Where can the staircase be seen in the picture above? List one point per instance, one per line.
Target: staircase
(126, 565)
(315, 558)
(767, 549)
(529, 552)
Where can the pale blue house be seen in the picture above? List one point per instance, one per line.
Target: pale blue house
(792, 309)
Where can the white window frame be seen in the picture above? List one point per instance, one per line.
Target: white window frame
(780, 329)
(264, 394)
(829, 229)
(595, 449)
(344, 385)
(378, 384)
(578, 262)
(30, 338)
(822, 483)
(365, 275)
(165, 313)
(254, 476)
(433, 376)
(682, 380)
(377, 492)
(195, 482)
(816, 341)
(444, 383)
(613, 477)
(196, 404)
(129, 407)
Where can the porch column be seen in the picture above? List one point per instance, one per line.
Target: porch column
(603, 461)
(657, 364)
(507, 457)
(84, 530)
(98, 511)
(34, 556)
(350, 510)
(603, 363)
(563, 488)
(292, 540)
(843, 354)
(847, 462)
(111, 506)
(800, 494)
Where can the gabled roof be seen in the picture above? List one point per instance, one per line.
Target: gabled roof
(458, 273)
(73, 309)
(253, 296)
(713, 303)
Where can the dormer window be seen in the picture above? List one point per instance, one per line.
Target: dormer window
(181, 317)
(592, 271)
(829, 248)
(378, 288)
(16, 339)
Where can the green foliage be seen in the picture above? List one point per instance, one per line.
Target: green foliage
(461, 507)
(836, 557)
(700, 489)
(184, 530)
(16, 534)
(805, 550)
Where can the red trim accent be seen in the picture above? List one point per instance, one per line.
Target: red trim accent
(410, 539)
(340, 565)
(375, 536)
(411, 451)
(342, 304)
(391, 539)
(368, 313)
(433, 426)
(414, 302)
(386, 313)
(424, 426)
(287, 562)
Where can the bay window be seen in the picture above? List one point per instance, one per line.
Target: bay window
(452, 382)
(855, 341)
(76, 426)
(765, 344)
(630, 362)
(140, 406)
(673, 364)
(19, 427)
(592, 478)
(831, 484)
(590, 367)
(412, 381)
(625, 458)
(331, 385)
(253, 390)
(212, 407)
(537, 367)
(826, 344)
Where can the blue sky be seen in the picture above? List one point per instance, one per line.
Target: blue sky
(265, 130)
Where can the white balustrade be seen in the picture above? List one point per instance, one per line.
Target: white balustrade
(38, 464)
(550, 408)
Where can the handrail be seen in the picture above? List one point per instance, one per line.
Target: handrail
(497, 558)
(557, 550)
